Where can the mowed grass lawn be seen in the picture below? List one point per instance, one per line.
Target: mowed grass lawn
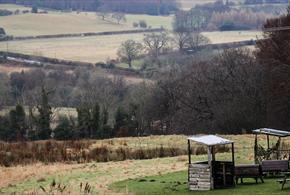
(176, 183)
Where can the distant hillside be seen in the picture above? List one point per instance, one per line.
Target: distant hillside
(152, 7)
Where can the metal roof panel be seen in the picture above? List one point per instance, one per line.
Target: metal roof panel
(210, 140)
(273, 132)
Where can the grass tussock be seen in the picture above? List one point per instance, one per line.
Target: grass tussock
(83, 151)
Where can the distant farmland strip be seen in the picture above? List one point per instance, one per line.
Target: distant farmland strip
(229, 45)
(11, 38)
(40, 61)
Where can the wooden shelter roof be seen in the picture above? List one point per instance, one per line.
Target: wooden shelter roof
(273, 132)
(210, 140)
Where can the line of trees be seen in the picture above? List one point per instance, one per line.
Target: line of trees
(152, 7)
(91, 122)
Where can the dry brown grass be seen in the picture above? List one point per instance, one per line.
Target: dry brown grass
(231, 36)
(116, 149)
(101, 175)
(64, 23)
(57, 23)
(86, 49)
(98, 175)
(16, 174)
(101, 48)
(51, 151)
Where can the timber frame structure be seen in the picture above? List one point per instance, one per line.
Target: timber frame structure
(210, 174)
(270, 153)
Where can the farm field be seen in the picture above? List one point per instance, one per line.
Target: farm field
(87, 49)
(14, 7)
(55, 22)
(188, 4)
(100, 48)
(99, 175)
(232, 36)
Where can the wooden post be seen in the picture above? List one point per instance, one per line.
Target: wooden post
(209, 148)
(189, 158)
(212, 153)
(233, 154)
(255, 149)
(278, 148)
(189, 152)
(268, 144)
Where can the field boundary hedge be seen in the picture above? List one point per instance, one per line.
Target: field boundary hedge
(87, 34)
(40, 61)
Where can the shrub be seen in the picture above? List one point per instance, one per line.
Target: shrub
(4, 12)
(34, 10)
(227, 26)
(142, 24)
(2, 31)
(81, 151)
(25, 11)
(135, 25)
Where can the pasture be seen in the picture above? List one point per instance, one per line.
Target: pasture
(87, 49)
(14, 7)
(56, 22)
(100, 176)
(100, 48)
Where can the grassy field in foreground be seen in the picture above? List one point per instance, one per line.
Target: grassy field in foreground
(100, 48)
(28, 178)
(176, 183)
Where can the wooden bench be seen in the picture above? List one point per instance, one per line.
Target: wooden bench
(248, 171)
(275, 166)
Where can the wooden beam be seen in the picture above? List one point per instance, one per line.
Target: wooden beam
(209, 154)
(233, 154)
(233, 159)
(213, 153)
(189, 158)
(278, 148)
(255, 149)
(189, 152)
(209, 148)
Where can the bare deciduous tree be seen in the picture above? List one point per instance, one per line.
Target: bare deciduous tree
(103, 12)
(119, 16)
(156, 42)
